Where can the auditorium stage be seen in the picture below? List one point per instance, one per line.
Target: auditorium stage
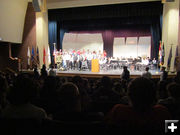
(110, 73)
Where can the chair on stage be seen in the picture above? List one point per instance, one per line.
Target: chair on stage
(84, 65)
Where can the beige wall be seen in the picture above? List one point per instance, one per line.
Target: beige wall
(12, 14)
(42, 34)
(170, 29)
(52, 4)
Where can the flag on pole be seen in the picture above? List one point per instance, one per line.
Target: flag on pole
(176, 57)
(169, 58)
(162, 55)
(32, 54)
(44, 56)
(159, 55)
(54, 53)
(49, 56)
(37, 55)
(28, 56)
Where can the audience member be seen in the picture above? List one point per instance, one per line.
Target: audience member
(172, 102)
(36, 73)
(44, 71)
(3, 93)
(21, 94)
(164, 74)
(147, 74)
(52, 72)
(177, 77)
(141, 115)
(70, 105)
(125, 74)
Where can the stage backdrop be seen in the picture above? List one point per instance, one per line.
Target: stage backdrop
(75, 41)
(132, 47)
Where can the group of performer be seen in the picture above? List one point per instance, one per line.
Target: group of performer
(81, 59)
(78, 59)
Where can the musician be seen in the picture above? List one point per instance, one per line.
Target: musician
(75, 61)
(89, 58)
(154, 62)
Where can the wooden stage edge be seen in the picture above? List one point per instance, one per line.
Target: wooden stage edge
(109, 75)
(99, 75)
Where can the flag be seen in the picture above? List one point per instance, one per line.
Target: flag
(44, 56)
(28, 56)
(176, 56)
(159, 55)
(49, 56)
(37, 55)
(32, 54)
(162, 55)
(169, 58)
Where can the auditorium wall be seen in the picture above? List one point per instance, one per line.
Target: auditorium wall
(12, 14)
(42, 35)
(170, 30)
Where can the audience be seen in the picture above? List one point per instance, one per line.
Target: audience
(70, 105)
(142, 114)
(21, 94)
(119, 103)
(172, 102)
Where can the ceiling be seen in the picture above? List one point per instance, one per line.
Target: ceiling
(53, 4)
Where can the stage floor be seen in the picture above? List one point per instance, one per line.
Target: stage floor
(111, 73)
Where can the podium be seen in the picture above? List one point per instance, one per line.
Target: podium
(95, 65)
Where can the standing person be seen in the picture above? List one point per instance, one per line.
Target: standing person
(52, 72)
(164, 74)
(125, 74)
(154, 62)
(147, 74)
(43, 71)
(75, 61)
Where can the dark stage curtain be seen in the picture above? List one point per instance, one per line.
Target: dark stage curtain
(155, 38)
(141, 19)
(52, 27)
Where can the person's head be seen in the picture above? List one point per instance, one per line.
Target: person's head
(106, 81)
(23, 91)
(174, 90)
(44, 66)
(147, 69)
(69, 97)
(163, 68)
(141, 93)
(125, 67)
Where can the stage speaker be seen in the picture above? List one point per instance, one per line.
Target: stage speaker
(164, 1)
(37, 4)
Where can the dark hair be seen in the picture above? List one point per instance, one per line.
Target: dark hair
(142, 93)
(147, 68)
(174, 90)
(23, 91)
(68, 94)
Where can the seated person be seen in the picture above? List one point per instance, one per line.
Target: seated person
(141, 115)
(21, 94)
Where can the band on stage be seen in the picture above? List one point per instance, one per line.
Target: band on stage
(80, 60)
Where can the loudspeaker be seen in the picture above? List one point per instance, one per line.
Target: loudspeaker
(37, 4)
